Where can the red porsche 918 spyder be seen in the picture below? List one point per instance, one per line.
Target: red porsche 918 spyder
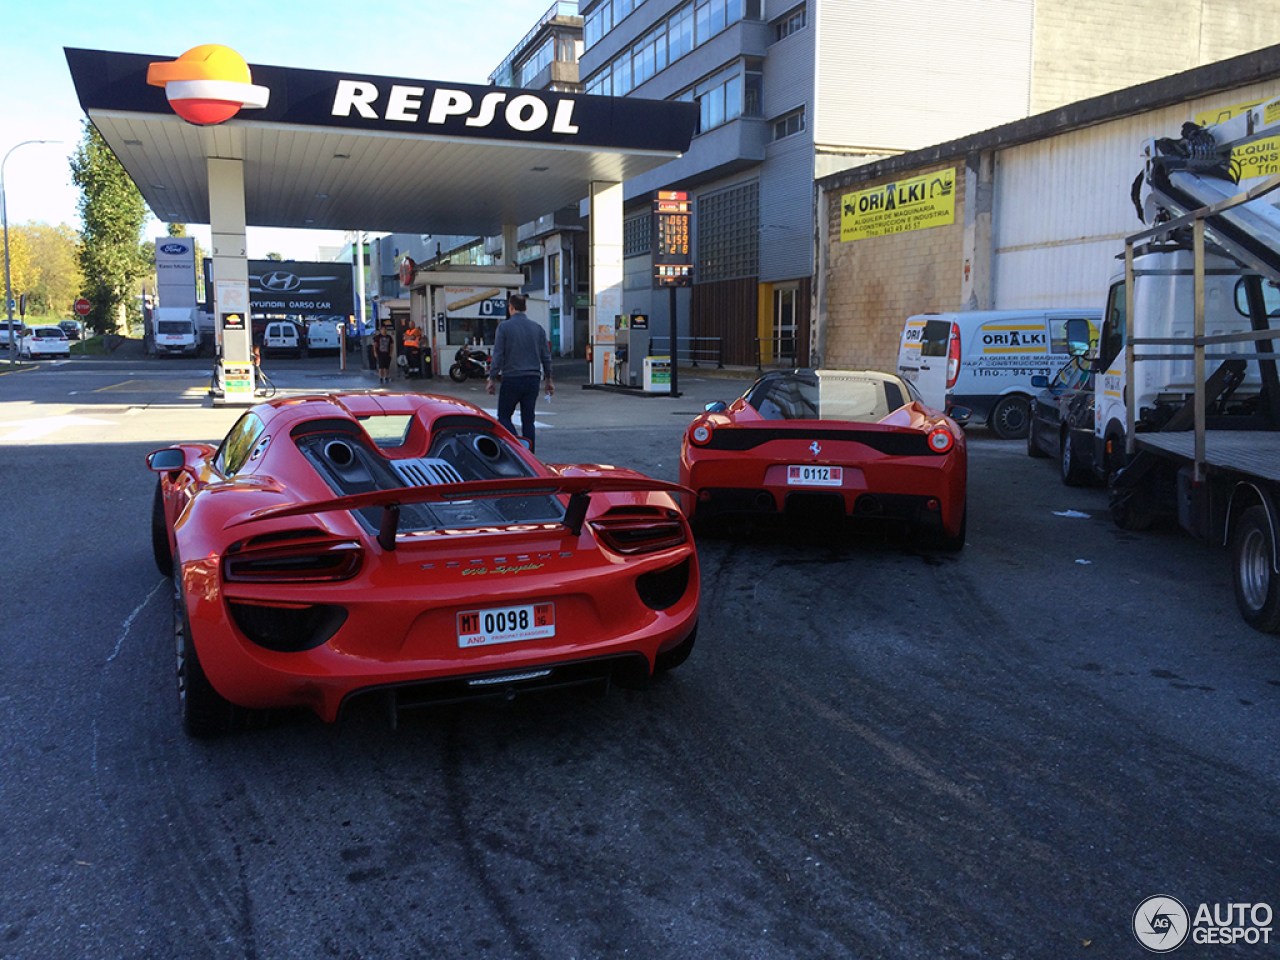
(343, 544)
(821, 447)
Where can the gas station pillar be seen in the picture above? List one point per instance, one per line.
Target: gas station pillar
(605, 253)
(232, 323)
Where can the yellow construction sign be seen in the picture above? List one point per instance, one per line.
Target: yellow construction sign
(913, 204)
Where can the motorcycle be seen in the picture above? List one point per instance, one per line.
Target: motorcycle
(469, 363)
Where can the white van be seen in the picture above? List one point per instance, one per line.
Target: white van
(177, 331)
(323, 333)
(984, 360)
(282, 337)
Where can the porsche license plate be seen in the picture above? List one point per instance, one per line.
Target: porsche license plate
(477, 628)
(811, 476)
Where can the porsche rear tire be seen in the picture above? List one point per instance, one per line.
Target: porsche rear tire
(205, 712)
(160, 535)
(670, 659)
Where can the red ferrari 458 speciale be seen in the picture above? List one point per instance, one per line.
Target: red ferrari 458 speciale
(343, 544)
(826, 447)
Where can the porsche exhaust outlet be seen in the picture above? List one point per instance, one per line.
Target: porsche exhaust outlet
(339, 453)
(765, 501)
(868, 506)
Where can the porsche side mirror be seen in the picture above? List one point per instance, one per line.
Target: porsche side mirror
(960, 415)
(715, 406)
(163, 461)
(1040, 381)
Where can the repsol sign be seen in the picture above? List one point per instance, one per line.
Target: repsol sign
(524, 112)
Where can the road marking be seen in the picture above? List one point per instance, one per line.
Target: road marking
(29, 430)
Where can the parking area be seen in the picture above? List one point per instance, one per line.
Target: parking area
(874, 751)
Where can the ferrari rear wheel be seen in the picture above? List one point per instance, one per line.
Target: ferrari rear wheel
(670, 659)
(205, 712)
(160, 534)
(955, 544)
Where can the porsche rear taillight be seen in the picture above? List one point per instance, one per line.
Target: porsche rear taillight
(292, 558)
(953, 356)
(633, 533)
(941, 440)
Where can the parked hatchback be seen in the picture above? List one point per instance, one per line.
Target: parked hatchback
(44, 342)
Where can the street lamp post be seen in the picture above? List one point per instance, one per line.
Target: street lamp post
(4, 218)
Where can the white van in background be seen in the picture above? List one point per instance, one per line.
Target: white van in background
(984, 360)
(176, 331)
(282, 337)
(323, 333)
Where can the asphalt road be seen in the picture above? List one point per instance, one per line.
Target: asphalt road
(873, 751)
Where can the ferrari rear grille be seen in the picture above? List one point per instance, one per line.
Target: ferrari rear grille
(425, 472)
(888, 442)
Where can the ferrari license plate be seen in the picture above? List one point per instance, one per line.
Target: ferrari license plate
(477, 628)
(811, 476)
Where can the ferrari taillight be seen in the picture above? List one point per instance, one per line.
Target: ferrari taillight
(941, 440)
(701, 433)
(631, 533)
(304, 558)
(953, 356)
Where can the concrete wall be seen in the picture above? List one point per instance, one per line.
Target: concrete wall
(1083, 49)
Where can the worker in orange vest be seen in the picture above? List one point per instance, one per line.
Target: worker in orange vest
(413, 347)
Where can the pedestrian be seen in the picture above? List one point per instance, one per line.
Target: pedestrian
(521, 356)
(413, 348)
(382, 344)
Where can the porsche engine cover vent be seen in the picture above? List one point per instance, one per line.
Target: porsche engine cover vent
(426, 472)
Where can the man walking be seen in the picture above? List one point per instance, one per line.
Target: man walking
(521, 357)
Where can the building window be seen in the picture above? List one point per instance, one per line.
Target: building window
(553, 273)
(690, 26)
(538, 62)
(789, 23)
(720, 97)
(637, 235)
(728, 233)
(788, 125)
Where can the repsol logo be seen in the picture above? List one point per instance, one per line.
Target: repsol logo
(404, 104)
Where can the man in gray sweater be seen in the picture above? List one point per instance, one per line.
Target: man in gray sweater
(521, 357)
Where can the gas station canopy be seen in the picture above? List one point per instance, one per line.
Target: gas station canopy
(336, 151)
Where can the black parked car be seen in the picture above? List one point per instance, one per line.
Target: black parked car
(1062, 421)
(70, 328)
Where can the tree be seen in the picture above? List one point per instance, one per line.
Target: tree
(58, 279)
(112, 213)
(274, 256)
(22, 274)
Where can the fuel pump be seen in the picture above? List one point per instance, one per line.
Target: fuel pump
(631, 346)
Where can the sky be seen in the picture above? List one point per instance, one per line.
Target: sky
(461, 41)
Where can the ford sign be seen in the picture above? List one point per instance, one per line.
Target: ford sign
(174, 249)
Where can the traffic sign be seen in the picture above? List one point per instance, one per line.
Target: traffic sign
(83, 307)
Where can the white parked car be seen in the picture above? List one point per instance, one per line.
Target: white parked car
(16, 330)
(282, 337)
(44, 342)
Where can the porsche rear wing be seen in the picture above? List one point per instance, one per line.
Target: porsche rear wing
(578, 489)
